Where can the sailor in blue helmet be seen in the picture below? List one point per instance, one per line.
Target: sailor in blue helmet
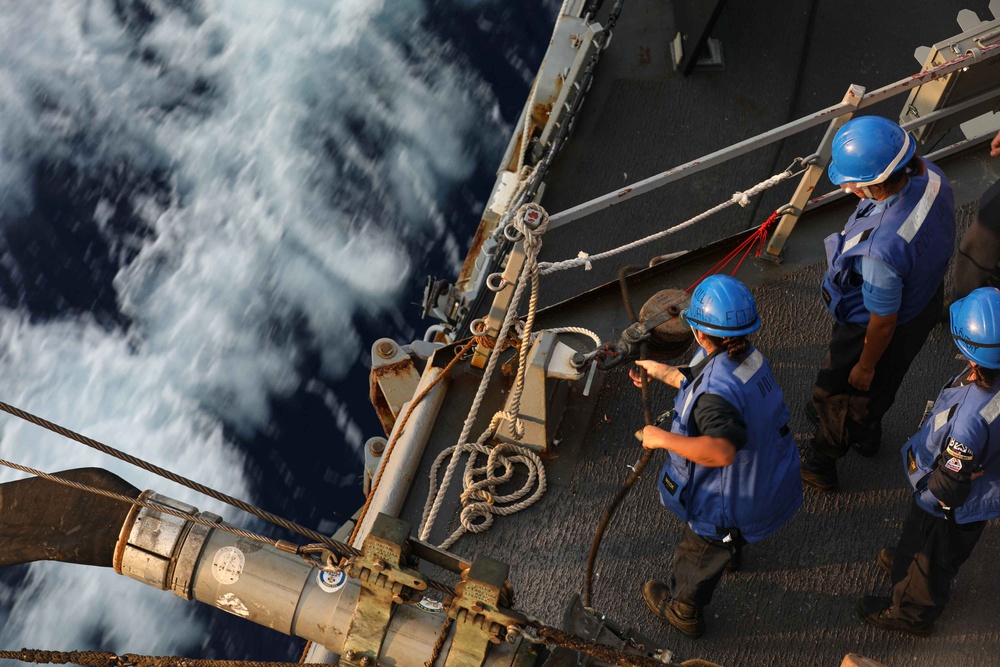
(733, 470)
(953, 465)
(884, 286)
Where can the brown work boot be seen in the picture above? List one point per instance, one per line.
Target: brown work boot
(684, 617)
(885, 559)
(818, 470)
(878, 611)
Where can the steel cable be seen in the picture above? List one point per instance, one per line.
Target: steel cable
(341, 549)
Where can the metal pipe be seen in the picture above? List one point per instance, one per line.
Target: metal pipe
(767, 138)
(270, 587)
(401, 466)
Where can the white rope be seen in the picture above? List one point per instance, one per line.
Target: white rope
(578, 330)
(479, 499)
(741, 198)
(529, 273)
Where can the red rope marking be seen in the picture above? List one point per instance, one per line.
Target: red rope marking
(758, 238)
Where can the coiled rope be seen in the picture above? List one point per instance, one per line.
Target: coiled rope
(741, 198)
(479, 499)
(532, 241)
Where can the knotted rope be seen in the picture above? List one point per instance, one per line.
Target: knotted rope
(530, 222)
(741, 198)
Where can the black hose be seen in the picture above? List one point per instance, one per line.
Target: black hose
(647, 454)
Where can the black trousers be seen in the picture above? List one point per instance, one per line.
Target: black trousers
(699, 563)
(848, 416)
(929, 554)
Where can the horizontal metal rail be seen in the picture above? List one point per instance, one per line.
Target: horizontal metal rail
(970, 59)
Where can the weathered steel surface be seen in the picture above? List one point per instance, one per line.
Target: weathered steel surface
(793, 603)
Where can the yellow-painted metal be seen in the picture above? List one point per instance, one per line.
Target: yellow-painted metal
(501, 302)
(809, 180)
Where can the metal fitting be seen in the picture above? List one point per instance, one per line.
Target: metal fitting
(376, 446)
(385, 349)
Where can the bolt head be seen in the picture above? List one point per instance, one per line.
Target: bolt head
(366, 661)
(377, 446)
(385, 349)
(350, 655)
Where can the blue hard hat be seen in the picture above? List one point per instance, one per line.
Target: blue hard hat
(722, 306)
(975, 326)
(868, 150)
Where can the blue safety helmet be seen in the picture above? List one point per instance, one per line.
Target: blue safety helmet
(868, 150)
(722, 306)
(975, 326)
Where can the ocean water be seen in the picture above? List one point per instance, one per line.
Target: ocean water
(209, 209)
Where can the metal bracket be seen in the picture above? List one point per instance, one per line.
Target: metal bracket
(807, 184)
(480, 613)
(384, 582)
(392, 382)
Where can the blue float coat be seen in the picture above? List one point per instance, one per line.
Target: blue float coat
(915, 236)
(762, 488)
(963, 425)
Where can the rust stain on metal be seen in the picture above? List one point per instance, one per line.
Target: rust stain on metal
(540, 112)
(377, 397)
(622, 193)
(381, 405)
(483, 232)
(392, 370)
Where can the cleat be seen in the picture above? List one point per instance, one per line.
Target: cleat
(682, 616)
(878, 612)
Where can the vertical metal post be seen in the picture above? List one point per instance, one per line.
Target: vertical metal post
(809, 180)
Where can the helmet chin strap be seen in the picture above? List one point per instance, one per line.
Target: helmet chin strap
(867, 191)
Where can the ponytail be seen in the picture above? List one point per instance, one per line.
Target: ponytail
(735, 346)
(984, 378)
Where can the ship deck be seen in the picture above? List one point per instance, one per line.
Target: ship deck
(793, 603)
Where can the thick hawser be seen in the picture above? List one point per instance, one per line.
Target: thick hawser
(792, 606)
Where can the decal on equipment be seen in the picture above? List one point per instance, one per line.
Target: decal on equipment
(430, 605)
(227, 566)
(331, 582)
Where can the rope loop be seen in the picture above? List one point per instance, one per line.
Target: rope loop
(481, 499)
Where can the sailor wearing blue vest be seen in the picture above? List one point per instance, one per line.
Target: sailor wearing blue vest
(953, 464)
(733, 471)
(884, 287)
